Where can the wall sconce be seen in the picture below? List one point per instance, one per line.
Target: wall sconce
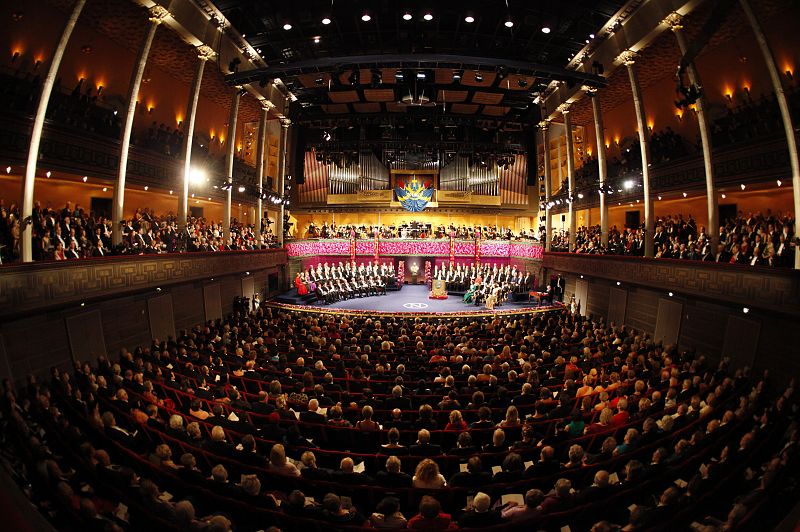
(679, 116)
(15, 57)
(150, 109)
(746, 90)
(180, 123)
(728, 97)
(789, 75)
(99, 89)
(37, 64)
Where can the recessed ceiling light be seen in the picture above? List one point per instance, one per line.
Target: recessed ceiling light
(427, 16)
(326, 21)
(407, 16)
(545, 30)
(365, 17)
(469, 19)
(509, 23)
(287, 26)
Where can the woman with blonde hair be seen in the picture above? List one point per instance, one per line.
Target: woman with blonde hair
(456, 422)
(512, 418)
(427, 475)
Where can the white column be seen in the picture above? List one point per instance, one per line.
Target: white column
(260, 148)
(36, 133)
(712, 203)
(157, 16)
(601, 164)
(204, 53)
(284, 143)
(628, 58)
(544, 125)
(791, 140)
(564, 108)
(229, 154)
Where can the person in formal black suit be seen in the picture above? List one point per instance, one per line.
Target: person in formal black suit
(547, 464)
(249, 455)
(397, 400)
(480, 515)
(310, 470)
(346, 474)
(473, 477)
(424, 447)
(188, 471)
(312, 415)
(393, 477)
(599, 490)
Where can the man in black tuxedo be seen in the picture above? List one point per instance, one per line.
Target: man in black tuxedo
(424, 447)
(312, 415)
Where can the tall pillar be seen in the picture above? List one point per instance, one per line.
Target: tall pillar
(36, 133)
(229, 154)
(204, 53)
(601, 164)
(712, 229)
(628, 58)
(791, 140)
(282, 146)
(260, 149)
(564, 108)
(157, 16)
(544, 125)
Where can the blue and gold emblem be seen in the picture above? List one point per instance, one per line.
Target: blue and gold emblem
(414, 194)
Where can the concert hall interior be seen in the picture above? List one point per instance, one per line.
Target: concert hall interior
(343, 264)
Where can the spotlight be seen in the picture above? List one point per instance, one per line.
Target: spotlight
(326, 21)
(365, 17)
(8, 169)
(427, 16)
(196, 176)
(316, 39)
(627, 185)
(420, 75)
(509, 23)
(724, 196)
(745, 310)
(671, 294)
(241, 188)
(469, 19)
(146, 188)
(407, 16)
(287, 26)
(85, 178)
(743, 186)
(105, 189)
(48, 174)
(545, 29)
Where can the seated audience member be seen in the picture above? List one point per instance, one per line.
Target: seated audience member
(393, 477)
(481, 514)
(473, 477)
(520, 512)
(424, 447)
(279, 463)
(427, 475)
(560, 499)
(430, 517)
(387, 514)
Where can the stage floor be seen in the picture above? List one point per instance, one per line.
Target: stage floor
(412, 299)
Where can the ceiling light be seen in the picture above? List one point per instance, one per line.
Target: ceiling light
(780, 182)
(685, 194)
(105, 189)
(365, 17)
(241, 188)
(509, 23)
(618, 283)
(469, 19)
(724, 196)
(591, 35)
(421, 75)
(671, 294)
(398, 75)
(407, 16)
(316, 39)
(659, 198)
(326, 21)
(427, 16)
(745, 310)
(85, 178)
(170, 192)
(545, 29)
(287, 26)
(146, 188)
(743, 186)
(48, 174)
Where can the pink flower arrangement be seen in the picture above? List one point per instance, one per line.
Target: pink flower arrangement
(430, 248)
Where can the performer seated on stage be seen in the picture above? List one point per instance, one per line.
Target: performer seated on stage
(302, 288)
(344, 281)
(469, 295)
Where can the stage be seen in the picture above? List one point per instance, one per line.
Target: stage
(412, 299)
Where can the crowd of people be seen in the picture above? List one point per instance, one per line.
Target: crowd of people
(752, 239)
(331, 282)
(299, 419)
(416, 230)
(72, 233)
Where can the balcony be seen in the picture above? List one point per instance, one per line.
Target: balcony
(775, 290)
(43, 286)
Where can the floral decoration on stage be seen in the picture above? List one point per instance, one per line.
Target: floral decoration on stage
(483, 312)
(429, 248)
(428, 273)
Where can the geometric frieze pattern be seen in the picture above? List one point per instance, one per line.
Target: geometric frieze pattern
(37, 287)
(770, 289)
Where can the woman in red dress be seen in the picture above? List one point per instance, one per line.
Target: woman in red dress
(302, 289)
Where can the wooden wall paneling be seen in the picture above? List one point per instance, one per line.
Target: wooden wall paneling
(161, 317)
(703, 328)
(582, 295)
(212, 302)
(617, 304)
(86, 338)
(229, 288)
(35, 344)
(642, 310)
(5, 367)
(597, 299)
(741, 341)
(668, 321)
(249, 286)
(125, 323)
(777, 348)
(188, 306)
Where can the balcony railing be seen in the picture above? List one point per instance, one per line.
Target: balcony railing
(771, 289)
(26, 288)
